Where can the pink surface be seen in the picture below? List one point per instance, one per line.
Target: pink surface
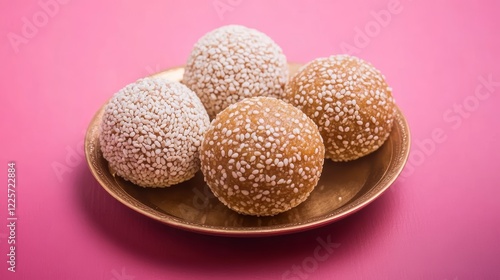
(440, 220)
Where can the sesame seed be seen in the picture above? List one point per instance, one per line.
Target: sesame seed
(140, 149)
(239, 53)
(343, 88)
(259, 165)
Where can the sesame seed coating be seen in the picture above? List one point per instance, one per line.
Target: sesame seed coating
(350, 102)
(151, 132)
(234, 62)
(262, 156)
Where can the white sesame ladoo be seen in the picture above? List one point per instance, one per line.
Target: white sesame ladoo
(350, 102)
(262, 156)
(234, 62)
(151, 132)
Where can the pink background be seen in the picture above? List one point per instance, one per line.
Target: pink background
(440, 220)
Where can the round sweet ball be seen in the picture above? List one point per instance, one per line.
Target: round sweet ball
(262, 156)
(151, 132)
(234, 62)
(350, 102)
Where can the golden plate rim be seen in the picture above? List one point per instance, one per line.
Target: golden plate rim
(394, 170)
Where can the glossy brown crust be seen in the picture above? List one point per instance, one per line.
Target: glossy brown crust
(262, 156)
(350, 102)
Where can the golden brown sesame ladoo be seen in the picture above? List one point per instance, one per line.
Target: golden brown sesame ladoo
(350, 102)
(262, 156)
(151, 132)
(234, 62)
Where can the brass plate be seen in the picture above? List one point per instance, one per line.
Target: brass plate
(343, 189)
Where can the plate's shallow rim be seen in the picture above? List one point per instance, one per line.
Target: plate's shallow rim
(394, 169)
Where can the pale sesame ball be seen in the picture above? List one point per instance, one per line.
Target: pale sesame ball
(234, 62)
(350, 102)
(151, 132)
(262, 156)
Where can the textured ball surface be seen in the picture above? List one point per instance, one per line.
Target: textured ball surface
(234, 62)
(262, 156)
(350, 102)
(151, 132)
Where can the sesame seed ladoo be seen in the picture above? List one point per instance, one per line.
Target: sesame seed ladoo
(234, 62)
(262, 156)
(350, 102)
(151, 132)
